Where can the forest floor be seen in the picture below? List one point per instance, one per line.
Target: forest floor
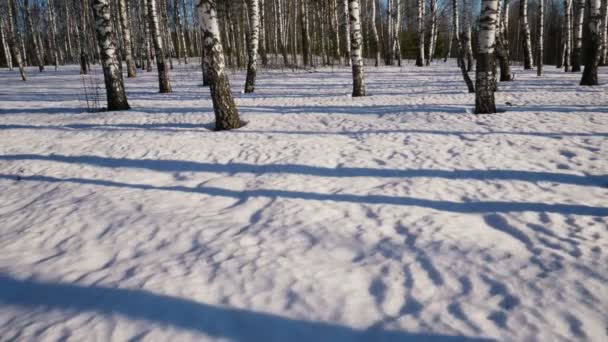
(394, 217)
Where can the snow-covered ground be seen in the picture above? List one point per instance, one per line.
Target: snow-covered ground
(399, 216)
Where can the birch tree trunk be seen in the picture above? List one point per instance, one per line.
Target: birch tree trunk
(592, 45)
(5, 46)
(579, 14)
(604, 34)
(280, 32)
(502, 44)
(356, 48)
(226, 114)
(254, 29)
(262, 44)
(375, 32)
(396, 48)
(84, 58)
(541, 40)
(53, 39)
(484, 73)
(126, 37)
(450, 37)
(420, 31)
(305, 34)
(164, 84)
(115, 91)
(431, 45)
(567, 34)
(390, 8)
(346, 30)
(30, 30)
(525, 31)
(467, 40)
(460, 48)
(12, 41)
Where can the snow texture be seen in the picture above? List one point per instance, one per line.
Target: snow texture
(393, 217)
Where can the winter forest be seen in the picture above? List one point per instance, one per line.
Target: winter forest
(304, 170)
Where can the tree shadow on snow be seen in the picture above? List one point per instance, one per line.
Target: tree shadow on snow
(216, 321)
(469, 207)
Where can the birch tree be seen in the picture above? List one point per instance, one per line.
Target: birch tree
(567, 34)
(115, 90)
(525, 32)
(30, 30)
(579, 14)
(420, 32)
(592, 46)
(5, 46)
(356, 48)
(484, 73)
(126, 38)
(226, 114)
(502, 43)
(460, 48)
(396, 46)
(433, 33)
(12, 41)
(347, 31)
(604, 34)
(375, 37)
(467, 41)
(254, 29)
(541, 32)
(164, 84)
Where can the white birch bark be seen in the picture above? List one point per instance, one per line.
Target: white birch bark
(579, 14)
(252, 51)
(420, 30)
(346, 30)
(541, 34)
(115, 91)
(5, 46)
(12, 41)
(164, 84)
(356, 41)
(126, 37)
(592, 48)
(375, 37)
(30, 30)
(226, 114)
(484, 73)
(567, 34)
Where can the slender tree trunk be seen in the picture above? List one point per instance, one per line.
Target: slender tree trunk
(467, 40)
(525, 31)
(335, 26)
(431, 45)
(484, 73)
(30, 30)
(12, 41)
(604, 34)
(346, 30)
(460, 49)
(567, 34)
(450, 37)
(84, 58)
(126, 37)
(592, 45)
(280, 32)
(254, 29)
(186, 30)
(579, 14)
(146, 36)
(53, 40)
(263, 49)
(375, 33)
(390, 9)
(541, 40)
(356, 48)
(502, 44)
(164, 84)
(420, 37)
(115, 91)
(5, 46)
(226, 114)
(305, 34)
(396, 48)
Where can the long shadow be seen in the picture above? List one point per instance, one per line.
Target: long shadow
(338, 172)
(214, 321)
(198, 127)
(243, 195)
